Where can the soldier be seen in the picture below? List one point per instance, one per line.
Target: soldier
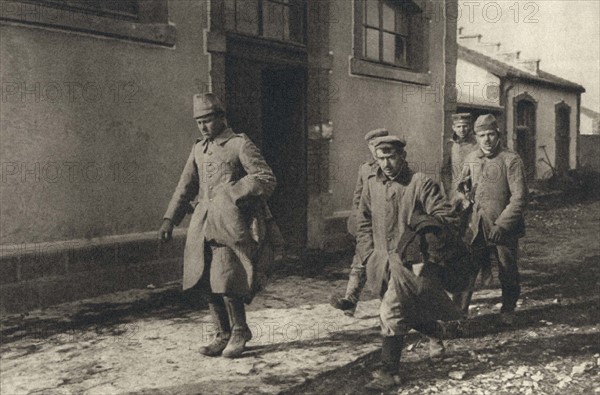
(357, 278)
(493, 178)
(462, 143)
(392, 196)
(227, 180)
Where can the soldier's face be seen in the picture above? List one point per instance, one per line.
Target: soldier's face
(461, 129)
(487, 139)
(390, 161)
(211, 125)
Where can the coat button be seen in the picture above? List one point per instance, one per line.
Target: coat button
(389, 239)
(209, 152)
(210, 187)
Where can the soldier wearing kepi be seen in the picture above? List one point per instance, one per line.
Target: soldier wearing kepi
(494, 180)
(357, 278)
(392, 197)
(226, 180)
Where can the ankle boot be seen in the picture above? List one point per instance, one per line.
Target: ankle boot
(388, 376)
(240, 333)
(221, 321)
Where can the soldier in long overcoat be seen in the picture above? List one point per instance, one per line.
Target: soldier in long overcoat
(392, 195)
(225, 181)
(494, 179)
(358, 277)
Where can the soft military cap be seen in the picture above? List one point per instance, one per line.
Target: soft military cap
(463, 117)
(389, 141)
(376, 133)
(206, 104)
(486, 122)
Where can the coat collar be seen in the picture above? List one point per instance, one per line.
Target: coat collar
(470, 138)
(403, 177)
(221, 139)
(493, 154)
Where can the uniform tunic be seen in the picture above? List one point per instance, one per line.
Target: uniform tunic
(223, 179)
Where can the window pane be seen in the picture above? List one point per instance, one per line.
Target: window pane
(372, 12)
(389, 48)
(247, 16)
(372, 44)
(394, 49)
(273, 20)
(389, 14)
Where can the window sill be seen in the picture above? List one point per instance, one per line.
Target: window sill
(163, 34)
(372, 69)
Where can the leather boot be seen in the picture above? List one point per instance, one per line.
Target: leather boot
(240, 333)
(220, 318)
(387, 376)
(347, 304)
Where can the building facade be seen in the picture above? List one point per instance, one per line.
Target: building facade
(97, 121)
(538, 113)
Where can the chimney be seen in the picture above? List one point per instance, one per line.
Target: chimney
(530, 65)
(489, 48)
(470, 40)
(509, 56)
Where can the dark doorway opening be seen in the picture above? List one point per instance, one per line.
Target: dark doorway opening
(268, 103)
(525, 136)
(562, 138)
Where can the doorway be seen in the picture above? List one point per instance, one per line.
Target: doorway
(267, 102)
(562, 138)
(525, 142)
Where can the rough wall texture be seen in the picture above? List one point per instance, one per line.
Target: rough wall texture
(94, 130)
(589, 151)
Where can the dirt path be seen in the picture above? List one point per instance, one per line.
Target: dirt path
(554, 348)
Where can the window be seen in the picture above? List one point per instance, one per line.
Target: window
(119, 9)
(133, 20)
(281, 20)
(390, 40)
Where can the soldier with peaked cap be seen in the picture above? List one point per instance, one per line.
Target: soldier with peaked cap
(393, 196)
(494, 180)
(357, 279)
(226, 180)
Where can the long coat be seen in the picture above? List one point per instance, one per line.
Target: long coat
(499, 191)
(386, 210)
(363, 173)
(384, 214)
(224, 181)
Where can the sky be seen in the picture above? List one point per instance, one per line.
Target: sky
(564, 34)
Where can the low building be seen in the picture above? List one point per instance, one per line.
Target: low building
(539, 113)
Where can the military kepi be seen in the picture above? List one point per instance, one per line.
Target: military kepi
(207, 104)
(486, 122)
(376, 133)
(463, 117)
(389, 141)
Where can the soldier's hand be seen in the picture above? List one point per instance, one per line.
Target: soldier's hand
(165, 231)
(496, 234)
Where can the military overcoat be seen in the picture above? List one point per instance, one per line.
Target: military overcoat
(499, 190)
(224, 181)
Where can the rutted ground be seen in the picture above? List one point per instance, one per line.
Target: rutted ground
(553, 349)
(147, 341)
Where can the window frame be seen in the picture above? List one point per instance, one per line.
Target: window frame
(259, 28)
(150, 26)
(416, 70)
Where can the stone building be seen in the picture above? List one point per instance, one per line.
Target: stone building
(97, 121)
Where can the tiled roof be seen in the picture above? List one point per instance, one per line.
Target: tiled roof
(502, 69)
